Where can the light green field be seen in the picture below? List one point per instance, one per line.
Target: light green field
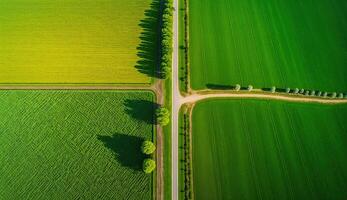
(278, 42)
(71, 41)
(74, 144)
(269, 150)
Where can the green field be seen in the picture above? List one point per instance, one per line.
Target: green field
(74, 144)
(283, 43)
(269, 150)
(75, 41)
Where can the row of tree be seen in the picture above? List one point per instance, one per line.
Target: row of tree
(312, 93)
(148, 148)
(166, 39)
(238, 87)
(163, 118)
(298, 91)
(187, 159)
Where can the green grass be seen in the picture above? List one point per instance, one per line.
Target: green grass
(181, 46)
(74, 41)
(269, 150)
(283, 43)
(74, 144)
(167, 142)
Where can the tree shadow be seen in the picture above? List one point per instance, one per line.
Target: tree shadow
(277, 90)
(141, 110)
(219, 86)
(148, 50)
(126, 149)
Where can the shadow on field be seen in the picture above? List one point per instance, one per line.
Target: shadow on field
(149, 47)
(141, 110)
(277, 89)
(126, 148)
(219, 86)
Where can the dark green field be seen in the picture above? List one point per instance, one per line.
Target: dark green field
(74, 144)
(269, 150)
(283, 43)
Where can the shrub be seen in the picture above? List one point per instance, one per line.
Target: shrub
(273, 89)
(296, 91)
(287, 90)
(237, 87)
(148, 165)
(147, 147)
(162, 116)
(250, 88)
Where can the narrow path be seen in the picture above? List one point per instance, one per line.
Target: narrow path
(152, 87)
(256, 95)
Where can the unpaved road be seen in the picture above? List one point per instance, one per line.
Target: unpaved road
(176, 104)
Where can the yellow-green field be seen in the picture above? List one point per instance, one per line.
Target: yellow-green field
(71, 41)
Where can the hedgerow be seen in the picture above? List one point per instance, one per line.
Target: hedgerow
(166, 40)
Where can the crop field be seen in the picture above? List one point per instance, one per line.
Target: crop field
(74, 144)
(269, 150)
(283, 43)
(75, 41)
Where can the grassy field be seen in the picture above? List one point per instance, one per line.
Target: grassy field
(283, 43)
(74, 144)
(74, 41)
(269, 150)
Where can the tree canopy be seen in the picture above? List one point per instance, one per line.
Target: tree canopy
(147, 147)
(148, 165)
(163, 116)
(237, 87)
(273, 89)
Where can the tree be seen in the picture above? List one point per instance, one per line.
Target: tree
(296, 91)
(273, 89)
(237, 87)
(341, 95)
(163, 116)
(319, 93)
(147, 147)
(307, 92)
(148, 165)
(345, 96)
(313, 93)
(325, 94)
(333, 95)
(302, 91)
(250, 88)
(287, 90)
